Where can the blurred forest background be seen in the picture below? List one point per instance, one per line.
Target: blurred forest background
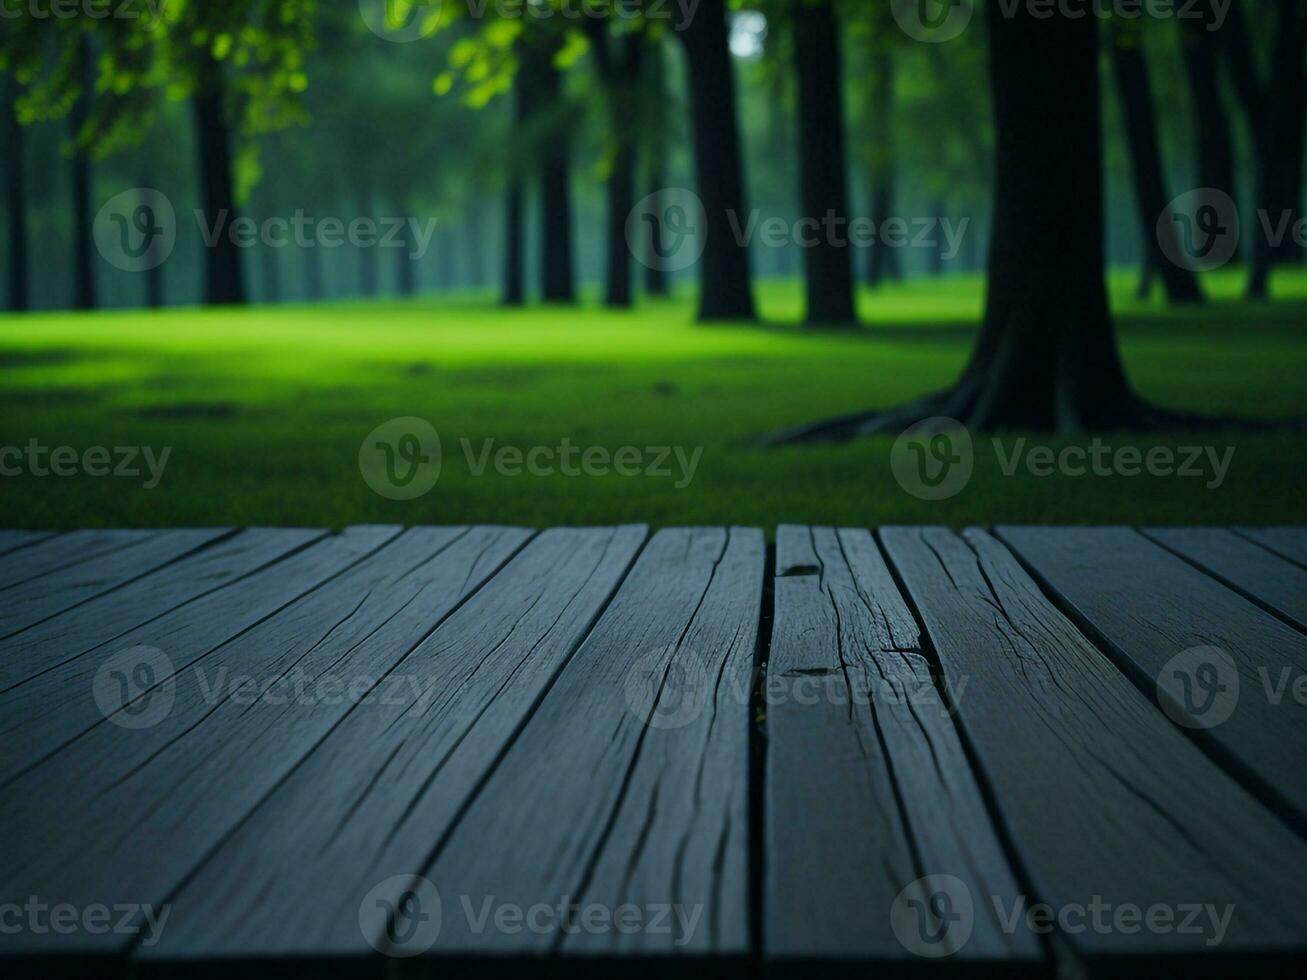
(535, 141)
(327, 118)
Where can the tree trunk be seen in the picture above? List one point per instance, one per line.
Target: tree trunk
(1215, 164)
(369, 274)
(823, 179)
(83, 213)
(621, 200)
(1046, 358)
(883, 261)
(405, 271)
(514, 272)
(514, 292)
(313, 284)
(1275, 121)
(19, 298)
(543, 80)
(1131, 70)
(655, 276)
(224, 282)
(725, 291)
(270, 275)
(619, 62)
(935, 254)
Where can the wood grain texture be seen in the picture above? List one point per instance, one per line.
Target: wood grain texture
(33, 601)
(868, 789)
(651, 815)
(63, 551)
(1104, 800)
(380, 791)
(13, 540)
(108, 617)
(240, 722)
(1148, 607)
(1273, 583)
(51, 709)
(1287, 542)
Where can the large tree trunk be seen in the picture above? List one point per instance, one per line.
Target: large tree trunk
(1131, 70)
(725, 291)
(822, 165)
(224, 281)
(83, 212)
(19, 299)
(1046, 358)
(883, 261)
(1211, 122)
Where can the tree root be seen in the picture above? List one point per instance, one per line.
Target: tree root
(958, 403)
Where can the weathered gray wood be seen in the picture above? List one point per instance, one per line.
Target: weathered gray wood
(868, 791)
(62, 551)
(1287, 542)
(1150, 607)
(1260, 575)
(376, 796)
(1105, 801)
(13, 540)
(35, 600)
(106, 618)
(239, 723)
(56, 706)
(655, 814)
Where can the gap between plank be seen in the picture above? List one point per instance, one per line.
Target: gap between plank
(1262, 791)
(1057, 951)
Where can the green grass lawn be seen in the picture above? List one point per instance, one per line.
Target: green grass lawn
(265, 410)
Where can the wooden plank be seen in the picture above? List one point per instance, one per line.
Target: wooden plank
(871, 805)
(654, 816)
(627, 788)
(1107, 804)
(33, 601)
(13, 540)
(56, 706)
(377, 794)
(1259, 575)
(107, 618)
(1215, 663)
(1287, 542)
(238, 724)
(62, 551)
